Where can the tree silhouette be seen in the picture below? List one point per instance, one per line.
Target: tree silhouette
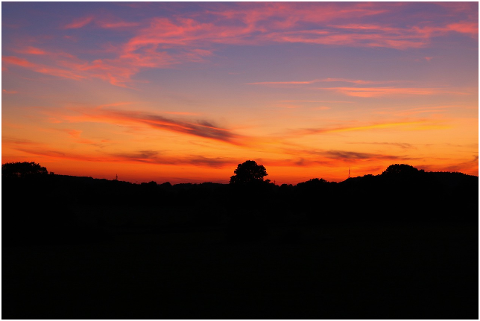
(22, 170)
(248, 172)
(401, 170)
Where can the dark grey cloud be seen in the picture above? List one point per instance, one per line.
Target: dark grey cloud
(156, 157)
(401, 145)
(340, 154)
(199, 128)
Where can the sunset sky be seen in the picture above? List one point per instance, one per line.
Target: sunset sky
(184, 92)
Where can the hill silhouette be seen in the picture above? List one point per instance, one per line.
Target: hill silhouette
(34, 204)
(417, 227)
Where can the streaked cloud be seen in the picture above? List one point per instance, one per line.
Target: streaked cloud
(416, 125)
(400, 145)
(309, 82)
(79, 23)
(156, 157)
(332, 157)
(200, 128)
(31, 50)
(369, 92)
(52, 71)
(5, 91)
(160, 42)
(283, 82)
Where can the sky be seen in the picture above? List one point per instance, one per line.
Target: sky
(186, 91)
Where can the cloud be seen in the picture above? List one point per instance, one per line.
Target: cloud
(9, 91)
(52, 71)
(17, 61)
(348, 155)
(309, 82)
(421, 110)
(161, 42)
(354, 39)
(284, 82)
(31, 51)
(419, 124)
(400, 145)
(333, 158)
(157, 157)
(112, 71)
(145, 156)
(117, 24)
(467, 166)
(464, 27)
(358, 81)
(200, 128)
(79, 23)
(369, 92)
(314, 101)
(16, 141)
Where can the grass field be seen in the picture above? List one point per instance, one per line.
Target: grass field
(308, 272)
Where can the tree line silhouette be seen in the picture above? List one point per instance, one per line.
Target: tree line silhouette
(45, 207)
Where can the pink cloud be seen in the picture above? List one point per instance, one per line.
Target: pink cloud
(464, 27)
(383, 91)
(357, 81)
(17, 61)
(53, 71)
(79, 23)
(117, 24)
(163, 42)
(32, 51)
(284, 82)
(9, 91)
(333, 37)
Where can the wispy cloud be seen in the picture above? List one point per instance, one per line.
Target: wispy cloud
(314, 101)
(332, 157)
(52, 71)
(117, 24)
(400, 145)
(79, 23)
(467, 166)
(309, 82)
(156, 157)
(199, 128)
(349, 155)
(31, 50)
(5, 91)
(161, 42)
(369, 92)
(405, 125)
(144, 156)
(421, 110)
(284, 82)
(359, 81)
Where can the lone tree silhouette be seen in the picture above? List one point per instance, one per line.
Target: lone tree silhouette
(248, 172)
(22, 169)
(401, 170)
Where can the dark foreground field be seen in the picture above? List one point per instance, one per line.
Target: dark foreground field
(317, 272)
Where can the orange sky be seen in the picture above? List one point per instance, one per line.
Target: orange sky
(184, 92)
